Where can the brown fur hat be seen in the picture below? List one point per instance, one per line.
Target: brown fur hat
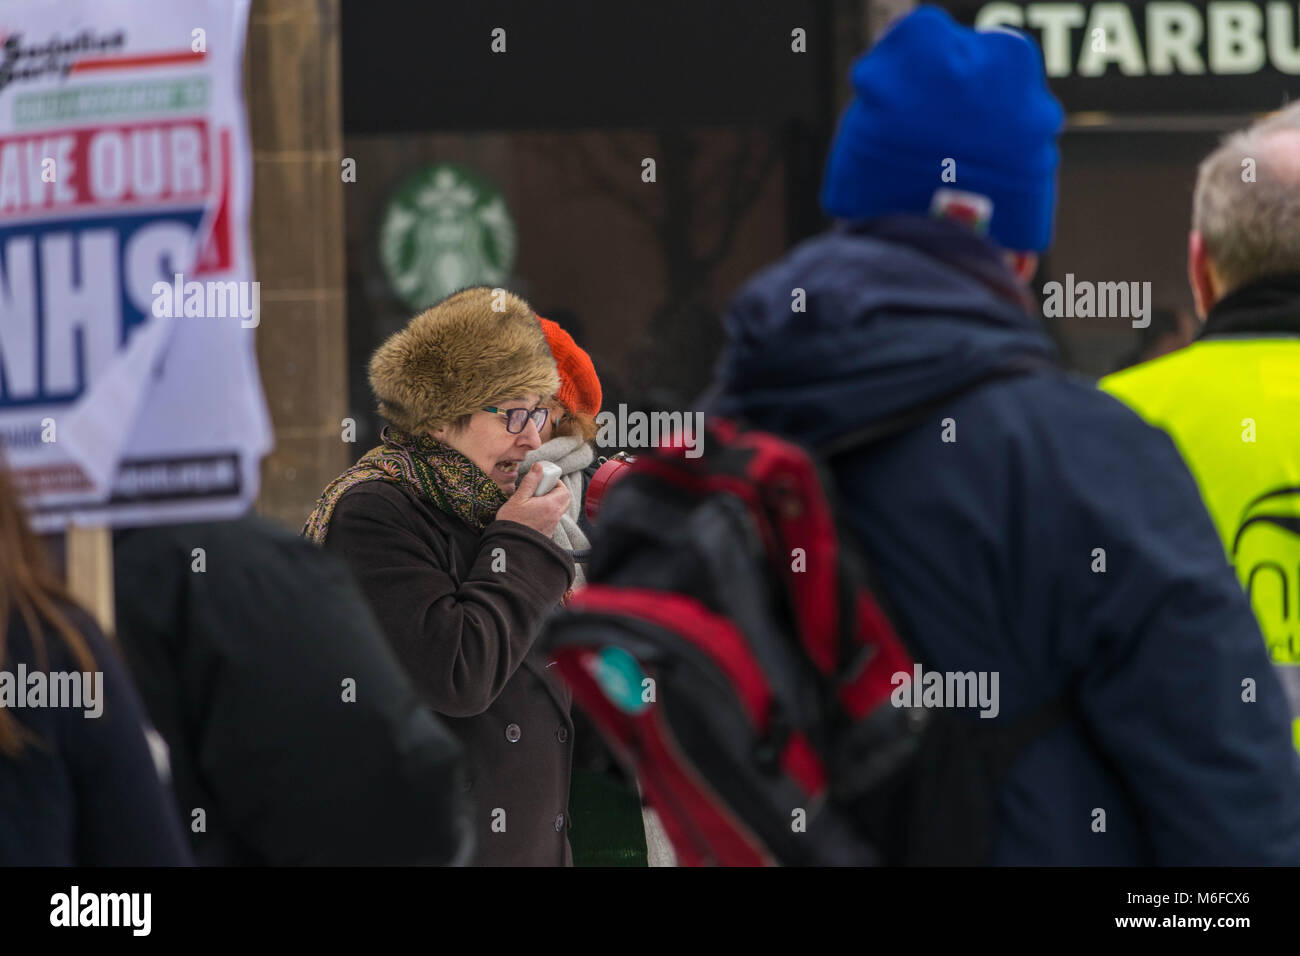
(459, 355)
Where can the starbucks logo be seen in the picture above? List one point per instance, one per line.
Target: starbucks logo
(445, 228)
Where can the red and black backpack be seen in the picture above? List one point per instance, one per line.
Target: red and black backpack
(733, 653)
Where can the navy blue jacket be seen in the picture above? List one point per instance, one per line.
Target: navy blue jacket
(986, 546)
(86, 792)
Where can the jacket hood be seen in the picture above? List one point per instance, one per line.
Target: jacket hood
(895, 313)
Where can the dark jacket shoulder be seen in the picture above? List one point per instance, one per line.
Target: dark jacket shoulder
(292, 726)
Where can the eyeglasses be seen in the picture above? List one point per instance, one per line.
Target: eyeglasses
(517, 418)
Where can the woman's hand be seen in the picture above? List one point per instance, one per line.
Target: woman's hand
(541, 514)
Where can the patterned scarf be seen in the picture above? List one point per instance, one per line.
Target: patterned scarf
(435, 472)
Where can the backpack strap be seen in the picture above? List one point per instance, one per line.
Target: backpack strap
(878, 431)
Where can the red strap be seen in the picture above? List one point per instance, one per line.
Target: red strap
(800, 761)
(874, 683)
(699, 825)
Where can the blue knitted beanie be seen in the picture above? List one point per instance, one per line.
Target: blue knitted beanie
(934, 96)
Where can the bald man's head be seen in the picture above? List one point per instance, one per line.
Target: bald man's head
(1246, 217)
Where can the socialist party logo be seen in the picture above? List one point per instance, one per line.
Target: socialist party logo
(22, 59)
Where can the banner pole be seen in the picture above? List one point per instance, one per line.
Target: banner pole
(90, 571)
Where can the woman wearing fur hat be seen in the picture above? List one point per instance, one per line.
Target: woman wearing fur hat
(458, 563)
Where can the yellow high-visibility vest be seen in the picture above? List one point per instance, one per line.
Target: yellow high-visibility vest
(1232, 406)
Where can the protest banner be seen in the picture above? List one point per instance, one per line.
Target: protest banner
(129, 391)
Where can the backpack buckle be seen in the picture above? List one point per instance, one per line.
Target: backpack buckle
(770, 747)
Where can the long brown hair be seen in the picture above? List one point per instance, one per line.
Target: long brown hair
(29, 586)
(575, 423)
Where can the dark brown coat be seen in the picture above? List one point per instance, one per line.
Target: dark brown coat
(465, 633)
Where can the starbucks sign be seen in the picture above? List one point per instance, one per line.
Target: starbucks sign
(1225, 56)
(445, 228)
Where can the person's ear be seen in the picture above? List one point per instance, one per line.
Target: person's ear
(1023, 264)
(438, 434)
(1200, 275)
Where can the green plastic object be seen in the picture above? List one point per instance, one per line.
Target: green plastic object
(622, 679)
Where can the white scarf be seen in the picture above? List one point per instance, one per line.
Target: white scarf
(572, 454)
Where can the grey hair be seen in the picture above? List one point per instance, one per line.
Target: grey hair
(1252, 229)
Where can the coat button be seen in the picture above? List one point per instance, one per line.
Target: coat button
(562, 734)
(559, 822)
(513, 733)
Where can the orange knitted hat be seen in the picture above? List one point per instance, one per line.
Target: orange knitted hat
(579, 386)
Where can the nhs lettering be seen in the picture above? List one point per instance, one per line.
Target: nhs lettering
(71, 293)
(93, 217)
